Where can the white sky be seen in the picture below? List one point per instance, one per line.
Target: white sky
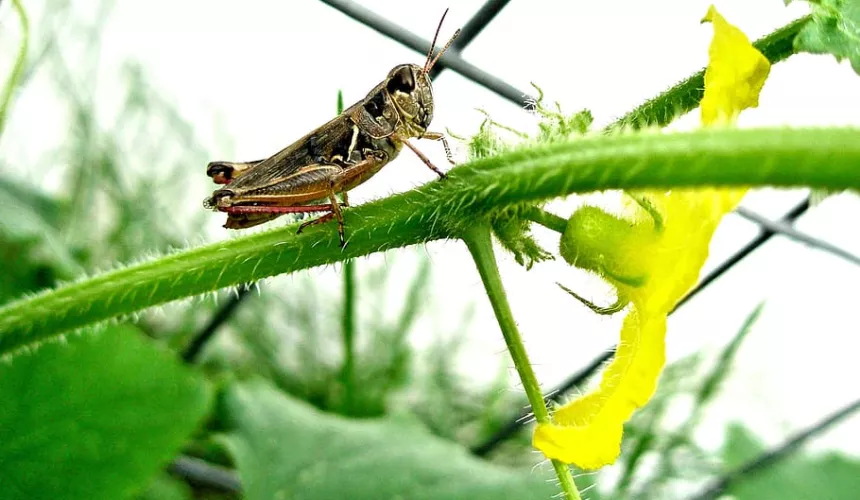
(263, 73)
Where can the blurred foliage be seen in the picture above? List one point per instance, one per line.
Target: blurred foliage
(94, 417)
(322, 447)
(798, 477)
(113, 406)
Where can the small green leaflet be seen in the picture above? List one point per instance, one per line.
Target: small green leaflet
(834, 29)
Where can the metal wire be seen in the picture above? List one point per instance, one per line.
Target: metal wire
(798, 236)
(451, 59)
(198, 341)
(472, 29)
(770, 458)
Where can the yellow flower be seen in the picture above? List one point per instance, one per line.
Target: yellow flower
(652, 255)
(735, 75)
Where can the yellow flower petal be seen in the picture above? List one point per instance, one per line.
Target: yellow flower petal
(587, 431)
(735, 75)
(652, 265)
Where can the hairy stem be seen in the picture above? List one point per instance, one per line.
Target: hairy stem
(477, 239)
(823, 158)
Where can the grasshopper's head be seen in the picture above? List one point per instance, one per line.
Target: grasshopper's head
(410, 89)
(412, 95)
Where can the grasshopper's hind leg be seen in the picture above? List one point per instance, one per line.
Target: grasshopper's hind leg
(335, 213)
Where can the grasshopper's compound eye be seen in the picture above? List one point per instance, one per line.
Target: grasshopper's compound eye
(401, 80)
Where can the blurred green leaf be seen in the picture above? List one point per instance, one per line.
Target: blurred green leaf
(740, 447)
(29, 238)
(835, 29)
(798, 477)
(286, 449)
(93, 417)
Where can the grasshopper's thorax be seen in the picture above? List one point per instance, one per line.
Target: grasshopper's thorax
(412, 95)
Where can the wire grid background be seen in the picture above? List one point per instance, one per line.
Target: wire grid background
(270, 73)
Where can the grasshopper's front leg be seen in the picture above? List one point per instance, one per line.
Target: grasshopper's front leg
(423, 158)
(439, 136)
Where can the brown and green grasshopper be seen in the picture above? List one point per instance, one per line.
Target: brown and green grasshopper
(335, 157)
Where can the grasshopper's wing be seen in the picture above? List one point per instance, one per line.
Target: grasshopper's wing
(307, 187)
(318, 147)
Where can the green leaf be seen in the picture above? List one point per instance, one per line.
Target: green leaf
(285, 449)
(29, 237)
(834, 29)
(94, 417)
(795, 478)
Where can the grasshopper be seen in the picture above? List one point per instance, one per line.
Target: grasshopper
(306, 176)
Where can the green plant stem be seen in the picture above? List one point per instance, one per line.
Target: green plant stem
(823, 158)
(685, 95)
(477, 239)
(348, 329)
(546, 219)
(18, 69)
(348, 319)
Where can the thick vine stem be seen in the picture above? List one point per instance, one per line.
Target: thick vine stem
(821, 158)
(477, 239)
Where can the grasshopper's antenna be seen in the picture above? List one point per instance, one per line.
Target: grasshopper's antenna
(430, 59)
